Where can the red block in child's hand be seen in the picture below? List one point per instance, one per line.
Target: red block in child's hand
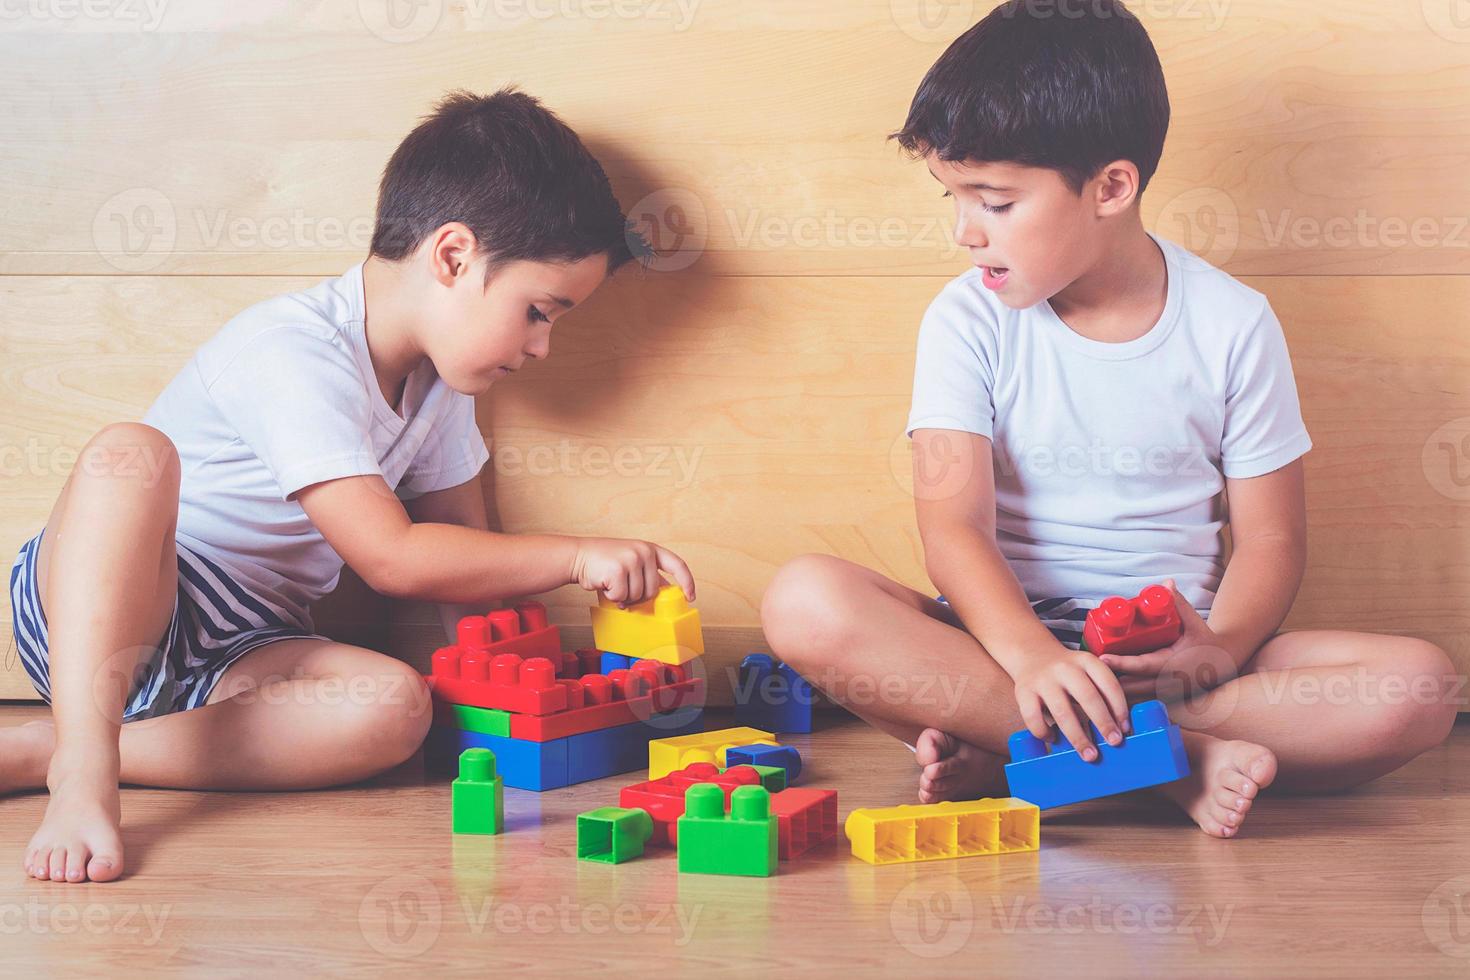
(1146, 622)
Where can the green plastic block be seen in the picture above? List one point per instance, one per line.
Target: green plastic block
(477, 797)
(612, 834)
(486, 721)
(741, 843)
(773, 778)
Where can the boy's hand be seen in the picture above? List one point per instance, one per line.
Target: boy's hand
(1056, 684)
(1191, 665)
(627, 571)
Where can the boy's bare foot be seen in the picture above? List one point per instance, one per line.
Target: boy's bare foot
(78, 839)
(956, 770)
(1224, 778)
(25, 754)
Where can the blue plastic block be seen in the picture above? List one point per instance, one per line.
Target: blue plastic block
(1153, 754)
(624, 748)
(521, 764)
(613, 661)
(783, 756)
(772, 697)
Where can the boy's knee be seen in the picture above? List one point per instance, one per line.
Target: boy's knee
(132, 450)
(805, 607)
(392, 713)
(1418, 694)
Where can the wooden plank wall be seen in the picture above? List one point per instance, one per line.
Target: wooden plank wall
(743, 402)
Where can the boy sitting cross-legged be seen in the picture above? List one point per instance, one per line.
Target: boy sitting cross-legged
(1088, 401)
(164, 609)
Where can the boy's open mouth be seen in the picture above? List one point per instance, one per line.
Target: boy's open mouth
(994, 276)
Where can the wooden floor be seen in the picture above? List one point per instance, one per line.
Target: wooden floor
(1372, 883)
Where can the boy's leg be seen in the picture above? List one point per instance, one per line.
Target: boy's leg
(901, 661)
(300, 713)
(1337, 708)
(119, 504)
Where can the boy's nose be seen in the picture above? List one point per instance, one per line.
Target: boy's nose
(969, 233)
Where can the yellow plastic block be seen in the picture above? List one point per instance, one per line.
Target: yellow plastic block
(664, 628)
(943, 830)
(666, 755)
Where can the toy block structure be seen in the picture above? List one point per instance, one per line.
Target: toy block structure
(665, 755)
(780, 756)
(1148, 621)
(936, 831)
(743, 842)
(477, 796)
(552, 717)
(598, 701)
(1051, 775)
(805, 818)
(772, 696)
(664, 628)
(612, 834)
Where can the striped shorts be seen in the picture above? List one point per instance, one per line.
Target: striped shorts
(215, 622)
(1064, 617)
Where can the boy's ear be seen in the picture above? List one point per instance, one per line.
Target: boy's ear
(1117, 187)
(451, 252)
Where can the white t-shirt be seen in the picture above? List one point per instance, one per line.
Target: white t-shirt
(284, 396)
(1111, 459)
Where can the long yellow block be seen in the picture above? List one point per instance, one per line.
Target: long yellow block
(664, 628)
(666, 755)
(935, 831)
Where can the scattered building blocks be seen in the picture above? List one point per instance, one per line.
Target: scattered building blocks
(597, 701)
(783, 756)
(1148, 621)
(1055, 775)
(936, 831)
(664, 628)
(773, 778)
(613, 661)
(612, 834)
(663, 798)
(744, 842)
(771, 695)
(472, 719)
(668, 754)
(477, 796)
(805, 818)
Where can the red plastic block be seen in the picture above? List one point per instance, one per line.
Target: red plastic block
(1123, 626)
(506, 659)
(807, 817)
(664, 798)
(621, 697)
(522, 631)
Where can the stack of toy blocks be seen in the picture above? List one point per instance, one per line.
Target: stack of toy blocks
(664, 628)
(550, 717)
(943, 830)
(1053, 774)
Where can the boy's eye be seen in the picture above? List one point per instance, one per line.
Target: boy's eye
(535, 315)
(998, 209)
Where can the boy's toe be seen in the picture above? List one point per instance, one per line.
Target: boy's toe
(58, 864)
(76, 864)
(41, 864)
(933, 746)
(104, 867)
(1230, 800)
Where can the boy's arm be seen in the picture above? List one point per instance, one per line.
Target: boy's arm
(954, 497)
(368, 526)
(1268, 535)
(464, 506)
